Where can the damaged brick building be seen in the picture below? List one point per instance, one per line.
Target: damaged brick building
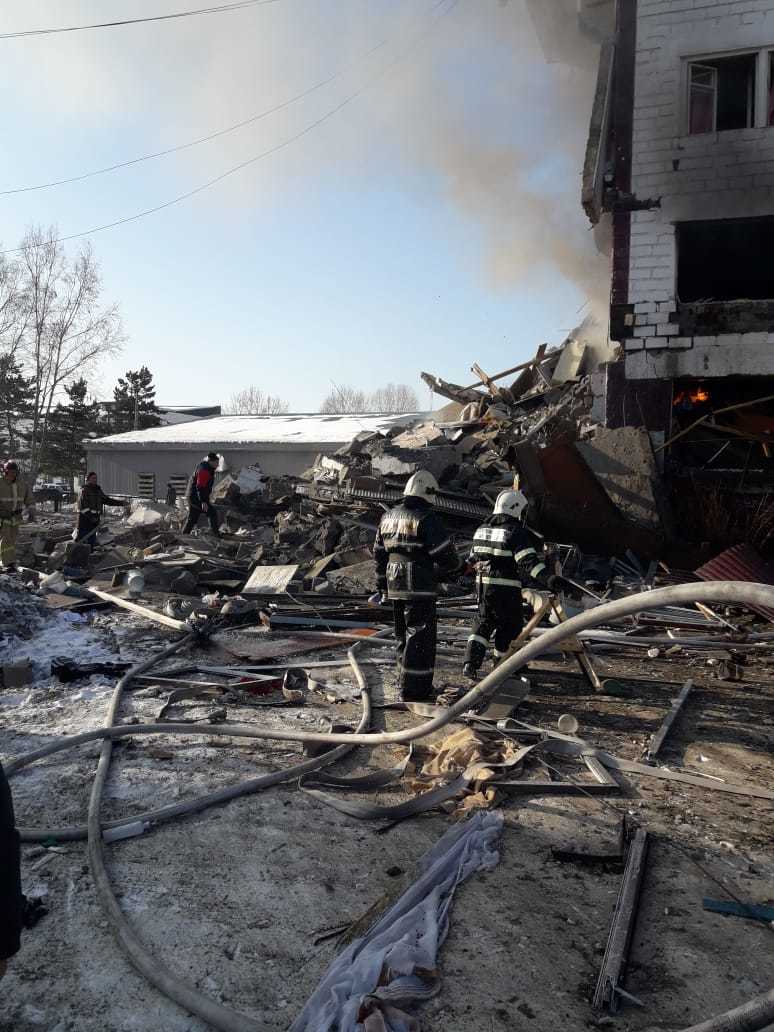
(678, 183)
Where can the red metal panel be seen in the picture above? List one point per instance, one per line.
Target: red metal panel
(740, 563)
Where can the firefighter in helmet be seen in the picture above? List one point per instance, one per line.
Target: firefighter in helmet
(507, 556)
(411, 548)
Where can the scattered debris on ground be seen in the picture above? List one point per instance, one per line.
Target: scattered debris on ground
(284, 871)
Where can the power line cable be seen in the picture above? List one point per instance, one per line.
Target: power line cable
(257, 157)
(220, 9)
(252, 119)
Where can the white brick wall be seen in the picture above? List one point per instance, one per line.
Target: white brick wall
(718, 175)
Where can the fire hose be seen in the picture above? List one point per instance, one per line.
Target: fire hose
(756, 1014)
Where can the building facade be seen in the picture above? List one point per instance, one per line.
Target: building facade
(684, 165)
(142, 462)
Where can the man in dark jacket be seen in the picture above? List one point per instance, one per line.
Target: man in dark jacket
(411, 545)
(91, 501)
(507, 557)
(10, 878)
(199, 490)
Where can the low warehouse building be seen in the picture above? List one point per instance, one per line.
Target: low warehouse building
(142, 462)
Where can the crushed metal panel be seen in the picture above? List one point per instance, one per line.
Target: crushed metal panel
(740, 563)
(270, 580)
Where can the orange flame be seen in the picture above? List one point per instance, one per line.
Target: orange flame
(695, 396)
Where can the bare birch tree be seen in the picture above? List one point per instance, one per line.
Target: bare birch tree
(61, 328)
(252, 401)
(391, 399)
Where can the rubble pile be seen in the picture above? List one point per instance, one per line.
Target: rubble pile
(661, 707)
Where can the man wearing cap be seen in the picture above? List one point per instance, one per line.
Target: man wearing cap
(411, 547)
(199, 490)
(15, 495)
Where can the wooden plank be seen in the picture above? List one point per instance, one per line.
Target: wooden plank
(622, 927)
(577, 647)
(134, 607)
(659, 737)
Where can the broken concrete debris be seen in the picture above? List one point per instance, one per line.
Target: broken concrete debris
(275, 613)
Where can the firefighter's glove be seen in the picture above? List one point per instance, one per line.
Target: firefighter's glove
(560, 585)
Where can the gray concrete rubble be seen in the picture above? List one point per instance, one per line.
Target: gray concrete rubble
(247, 864)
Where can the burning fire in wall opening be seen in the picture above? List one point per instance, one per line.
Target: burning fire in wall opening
(690, 396)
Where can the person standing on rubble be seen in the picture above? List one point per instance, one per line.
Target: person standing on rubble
(15, 495)
(199, 491)
(411, 546)
(91, 501)
(507, 556)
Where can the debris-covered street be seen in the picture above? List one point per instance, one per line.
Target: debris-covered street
(391, 646)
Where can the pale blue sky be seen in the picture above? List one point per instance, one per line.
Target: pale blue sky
(434, 221)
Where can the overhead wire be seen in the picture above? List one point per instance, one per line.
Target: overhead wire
(256, 157)
(123, 22)
(250, 120)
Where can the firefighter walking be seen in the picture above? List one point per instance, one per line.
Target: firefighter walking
(507, 557)
(411, 547)
(15, 496)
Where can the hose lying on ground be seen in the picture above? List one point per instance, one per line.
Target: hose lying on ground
(187, 996)
(756, 1014)
(739, 592)
(760, 1010)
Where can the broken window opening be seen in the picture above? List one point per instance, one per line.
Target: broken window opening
(721, 94)
(725, 260)
(724, 425)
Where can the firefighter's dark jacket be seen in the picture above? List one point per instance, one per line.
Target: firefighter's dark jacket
(92, 499)
(411, 547)
(507, 555)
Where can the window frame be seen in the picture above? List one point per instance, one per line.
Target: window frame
(760, 98)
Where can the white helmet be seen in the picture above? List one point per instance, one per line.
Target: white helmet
(511, 503)
(421, 485)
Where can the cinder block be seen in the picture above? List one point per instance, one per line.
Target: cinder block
(644, 331)
(680, 342)
(644, 307)
(668, 330)
(634, 344)
(703, 342)
(655, 342)
(16, 675)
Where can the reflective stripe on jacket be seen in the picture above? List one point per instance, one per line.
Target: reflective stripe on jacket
(411, 545)
(507, 555)
(14, 496)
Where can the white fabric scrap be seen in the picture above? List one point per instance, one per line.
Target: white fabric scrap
(406, 939)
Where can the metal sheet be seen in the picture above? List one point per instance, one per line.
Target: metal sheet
(740, 563)
(270, 580)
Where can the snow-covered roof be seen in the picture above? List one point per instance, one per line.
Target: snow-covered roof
(299, 430)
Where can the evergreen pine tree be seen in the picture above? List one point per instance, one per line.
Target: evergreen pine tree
(135, 405)
(17, 396)
(70, 423)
